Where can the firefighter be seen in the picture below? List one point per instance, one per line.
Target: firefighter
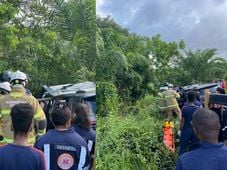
(4, 88)
(5, 76)
(168, 101)
(16, 96)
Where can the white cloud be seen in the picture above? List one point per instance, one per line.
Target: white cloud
(99, 4)
(202, 24)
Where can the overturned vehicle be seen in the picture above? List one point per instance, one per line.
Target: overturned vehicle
(69, 94)
(199, 88)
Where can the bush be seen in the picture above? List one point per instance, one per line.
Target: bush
(132, 142)
(107, 100)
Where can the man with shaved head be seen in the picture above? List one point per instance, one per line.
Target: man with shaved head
(211, 155)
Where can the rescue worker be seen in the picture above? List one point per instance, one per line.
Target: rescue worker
(212, 154)
(18, 95)
(5, 76)
(18, 156)
(217, 108)
(81, 125)
(4, 88)
(168, 102)
(188, 140)
(63, 140)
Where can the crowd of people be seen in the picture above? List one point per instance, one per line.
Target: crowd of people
(24, 142)
(201, 131)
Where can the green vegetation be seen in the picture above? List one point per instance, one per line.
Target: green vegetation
(52, 41)
(133, 141)
(134, 67)
(58, 41)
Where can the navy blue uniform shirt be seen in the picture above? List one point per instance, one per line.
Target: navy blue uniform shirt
(84, 133)
(69, 137)
(16, 157)
(64, 138)
(188, 140)
(196, 102)
(207, 157)
(89, 136)
(187, 113)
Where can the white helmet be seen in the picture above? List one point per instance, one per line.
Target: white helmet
(163, 88)
(170, 85)
(18, 75)
(5, 86)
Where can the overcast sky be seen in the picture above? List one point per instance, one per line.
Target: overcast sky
(200, 23)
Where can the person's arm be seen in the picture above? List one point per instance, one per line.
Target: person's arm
(181, 123)
(182, 119)
(178, 166)
(177, 95)
(40, 118)
(42, 162)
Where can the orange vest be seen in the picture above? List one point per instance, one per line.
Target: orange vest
(168, 135)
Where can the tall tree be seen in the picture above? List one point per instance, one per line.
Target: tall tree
(201, 66)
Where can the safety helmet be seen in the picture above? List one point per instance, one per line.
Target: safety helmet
(166, 84)
(170, 85)
(18, 75)
(163, 88)
(5, 76)
(5, 86)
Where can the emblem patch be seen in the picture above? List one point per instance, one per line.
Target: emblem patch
(65, 161)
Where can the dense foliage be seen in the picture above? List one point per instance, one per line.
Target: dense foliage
(58, 41)
(107, 100)
(48, 40)
(137, 66)
(133, 141)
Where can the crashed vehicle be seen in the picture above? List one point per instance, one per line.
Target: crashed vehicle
(69, 94)
(200, 88)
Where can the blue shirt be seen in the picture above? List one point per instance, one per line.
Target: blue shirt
(89, 136)
(64, 138)
(16, 157)
(187, 113)
(207, 157)
(53, 136)
(86, 134)
(196, 102)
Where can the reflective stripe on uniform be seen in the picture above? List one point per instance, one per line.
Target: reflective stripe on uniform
(83, 154)
(170, 106)
(38, 115)
(41, 132)
(7, 140)
(5, 111)
(90, 144)
(47, 155)
(16, 94)
(168, 96)
(31, 140)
